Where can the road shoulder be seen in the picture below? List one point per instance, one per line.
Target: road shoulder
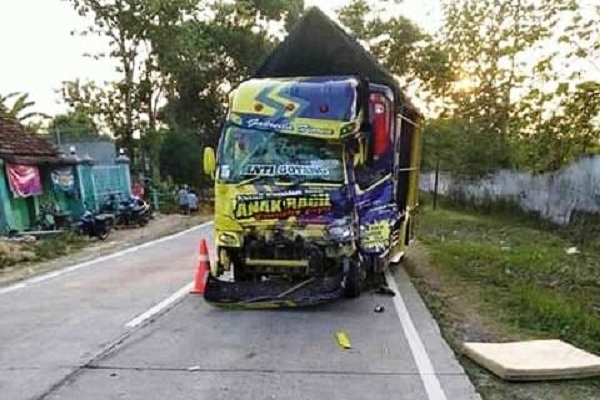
(161, 226)
(451, 377)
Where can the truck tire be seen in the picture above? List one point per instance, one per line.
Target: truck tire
(352, 284)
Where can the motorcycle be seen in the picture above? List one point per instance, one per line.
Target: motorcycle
(51, 217)
(95, 224)
(133, 211)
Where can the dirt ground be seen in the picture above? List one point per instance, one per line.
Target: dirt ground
(161, 225)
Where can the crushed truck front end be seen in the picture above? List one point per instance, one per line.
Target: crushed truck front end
(315, 190)
(284, 218)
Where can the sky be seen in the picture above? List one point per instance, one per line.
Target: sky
(39, 51)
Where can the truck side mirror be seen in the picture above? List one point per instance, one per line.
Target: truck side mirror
(209, 161)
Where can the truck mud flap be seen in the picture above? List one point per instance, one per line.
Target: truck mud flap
(273, 294)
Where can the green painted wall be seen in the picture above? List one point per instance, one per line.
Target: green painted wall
(18, 212)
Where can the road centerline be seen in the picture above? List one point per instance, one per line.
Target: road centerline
(156, 309)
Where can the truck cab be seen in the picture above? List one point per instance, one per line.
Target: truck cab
(313, 192)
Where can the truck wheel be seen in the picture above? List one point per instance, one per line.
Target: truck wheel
(352, 284)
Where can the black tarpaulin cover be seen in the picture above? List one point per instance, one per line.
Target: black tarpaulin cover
(317, 46)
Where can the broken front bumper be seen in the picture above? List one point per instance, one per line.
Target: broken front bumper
(273, 293)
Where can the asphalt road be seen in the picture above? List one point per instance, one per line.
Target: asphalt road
(124, 328)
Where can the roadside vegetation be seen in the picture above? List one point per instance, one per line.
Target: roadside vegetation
(509, 277)
(13, 252)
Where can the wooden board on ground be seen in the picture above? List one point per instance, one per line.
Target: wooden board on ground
(534, 360)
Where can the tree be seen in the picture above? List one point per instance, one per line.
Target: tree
(570, 130)
(128, 25)
(74, 124)
(19, 109)
(494, 48)
(582, 35)
(198, 60)
(100, 105)
(400, 45)
(459, 147)
(180, 158)
(204, 58)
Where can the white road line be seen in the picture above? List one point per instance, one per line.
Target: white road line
(12, 288)
(160, 306)
(426, 370)
(55, 274)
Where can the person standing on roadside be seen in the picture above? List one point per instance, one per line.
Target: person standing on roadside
(184, 200)
(138, 190)
(193, 202)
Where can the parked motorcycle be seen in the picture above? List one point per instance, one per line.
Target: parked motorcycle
(132, 211)
(95, 224)
(51, 217)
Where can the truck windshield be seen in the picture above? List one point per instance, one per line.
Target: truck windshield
(264, 155)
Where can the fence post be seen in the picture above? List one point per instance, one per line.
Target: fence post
(435, 184)
(155, 200)
(123, 162)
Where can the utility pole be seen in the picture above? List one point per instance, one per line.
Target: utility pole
(436, 182)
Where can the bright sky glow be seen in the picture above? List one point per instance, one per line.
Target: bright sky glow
(39, 52)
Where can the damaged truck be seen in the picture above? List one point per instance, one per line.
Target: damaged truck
(316, 174)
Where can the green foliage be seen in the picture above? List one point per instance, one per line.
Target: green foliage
(206, 57)
(462, 148)
(187, 52)
(50, 248)
(19, 110)
(12, 253)
(130, 103)
(536, 288)
(399, 44)
(180, 158)
(571, 129)
(495, 52)
(74, 124)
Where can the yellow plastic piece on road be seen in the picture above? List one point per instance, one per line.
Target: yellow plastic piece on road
(534, 360)
(343, 340)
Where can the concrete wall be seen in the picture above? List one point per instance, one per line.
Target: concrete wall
(555, 196)
(101, 151)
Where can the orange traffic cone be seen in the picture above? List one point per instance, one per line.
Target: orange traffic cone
(203, 269)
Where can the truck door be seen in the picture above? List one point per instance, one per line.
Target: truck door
(406, 168)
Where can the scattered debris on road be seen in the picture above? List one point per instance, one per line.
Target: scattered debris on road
(386, 291)
(379, 309)
(343, 340)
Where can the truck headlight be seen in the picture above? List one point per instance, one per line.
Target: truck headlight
(228, 239)
(340, 231)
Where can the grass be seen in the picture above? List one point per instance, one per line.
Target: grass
(41, 250)
(503, 278)
(66, 243)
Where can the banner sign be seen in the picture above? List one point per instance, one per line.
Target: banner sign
(24, 180)
(63, 179)
(278, 206)
(285, 170)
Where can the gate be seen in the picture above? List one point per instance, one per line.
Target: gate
(104, 181)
